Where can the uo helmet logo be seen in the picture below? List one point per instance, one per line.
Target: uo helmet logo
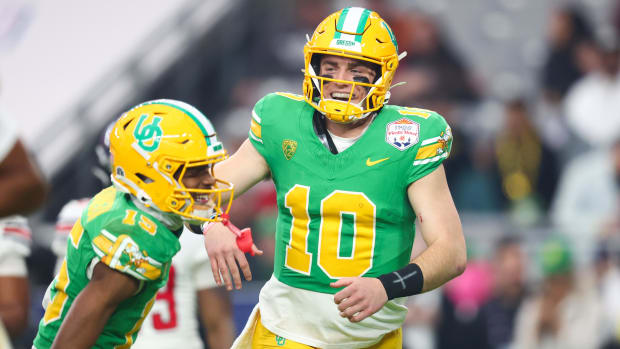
(148, 135)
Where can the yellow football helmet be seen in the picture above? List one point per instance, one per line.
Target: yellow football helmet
(356, 33)
(153, 145)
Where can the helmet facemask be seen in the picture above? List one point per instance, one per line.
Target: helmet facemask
(344, 108)
(197, 205)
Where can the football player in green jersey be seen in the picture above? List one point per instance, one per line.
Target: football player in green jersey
(352, 175)
(119, 251)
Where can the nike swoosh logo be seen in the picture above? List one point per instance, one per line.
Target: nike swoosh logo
(372, 163)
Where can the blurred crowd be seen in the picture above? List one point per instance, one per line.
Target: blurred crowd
(534, 173)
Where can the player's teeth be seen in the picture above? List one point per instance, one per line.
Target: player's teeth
(202, 197)
(340, 95)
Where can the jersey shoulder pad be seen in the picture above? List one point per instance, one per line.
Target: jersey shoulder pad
(291, 96)
(435, 140)
(433, 136)
(418, 115)
(130, 240)
(429, 136)
(270, 111)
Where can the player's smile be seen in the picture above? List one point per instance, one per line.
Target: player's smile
(203, 202)
(343, 96)
(201, 199)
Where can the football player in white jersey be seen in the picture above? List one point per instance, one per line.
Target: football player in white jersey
(173, 318)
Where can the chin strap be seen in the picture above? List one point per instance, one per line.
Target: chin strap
(318, 121)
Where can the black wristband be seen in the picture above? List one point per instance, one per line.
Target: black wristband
(404, 282)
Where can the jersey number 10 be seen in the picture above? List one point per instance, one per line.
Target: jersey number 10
(330, 241)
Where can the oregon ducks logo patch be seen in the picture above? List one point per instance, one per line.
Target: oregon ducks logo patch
(148, 135)
(289, 147)
(280, 341)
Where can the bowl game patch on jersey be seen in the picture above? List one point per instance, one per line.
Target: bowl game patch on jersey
(402, 134)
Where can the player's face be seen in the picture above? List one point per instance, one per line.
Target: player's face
(200, 177)
(347, 69)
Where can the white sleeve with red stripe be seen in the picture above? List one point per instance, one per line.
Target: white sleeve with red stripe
(15, 236)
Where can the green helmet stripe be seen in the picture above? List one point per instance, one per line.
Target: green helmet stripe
(352, 20)
(340, 23)
(361, 25)
(199, 118)
(391, 34)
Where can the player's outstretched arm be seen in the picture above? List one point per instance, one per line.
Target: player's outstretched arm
(243, 169)
(93, 307)
(444, 259)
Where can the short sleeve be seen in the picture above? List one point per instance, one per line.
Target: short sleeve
(124, 253)
(255, 134)
(125, 238)
(434, 148)
(15, 236)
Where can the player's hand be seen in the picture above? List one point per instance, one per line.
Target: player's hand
(360, 298)
(224, 254)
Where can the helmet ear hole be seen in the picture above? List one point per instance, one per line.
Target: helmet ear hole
(177, 173)
(144, 178)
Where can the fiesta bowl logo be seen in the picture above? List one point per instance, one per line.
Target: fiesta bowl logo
(402, 133)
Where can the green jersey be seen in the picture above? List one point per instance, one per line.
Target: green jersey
(111, 230)
(346, 214)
